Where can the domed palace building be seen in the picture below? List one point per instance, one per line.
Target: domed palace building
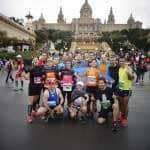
(86, 29)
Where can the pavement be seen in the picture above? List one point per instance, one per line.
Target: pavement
(16, 134)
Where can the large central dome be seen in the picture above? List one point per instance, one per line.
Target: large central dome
(86, 10)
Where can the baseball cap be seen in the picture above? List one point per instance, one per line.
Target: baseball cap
(19, 56)
(80, 83)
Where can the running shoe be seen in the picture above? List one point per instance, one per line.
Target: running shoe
(16, 89)
(115, 126)
(29, 119)
(142, 83)
(124, 122)
(137, 83)
(12, 81)
(34, 114)
(83, 119)
(21, 89)
(120, 117)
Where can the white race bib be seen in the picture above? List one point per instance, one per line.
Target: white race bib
(91, 80)
(51, 103)
(67, 87)
(37, 80)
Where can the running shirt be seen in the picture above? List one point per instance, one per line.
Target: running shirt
(102, 69)
(67, 83)
(76, 94)
(80, 71)
(37, 75)
(143, 67)
(67, 80)
(108, 92)
(53, 98)
(20, 69)
(105, 97)
(9, 66)
(124, 82)
(114, 75)
(60, 66)
(92, 76)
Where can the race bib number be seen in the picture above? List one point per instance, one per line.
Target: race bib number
(67, 87)
(37, 80)
(91, 80)
(51, 103)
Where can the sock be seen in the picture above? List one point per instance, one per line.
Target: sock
(30, 107)
(16, 83)
(34, 106)
(22, 83)
(38, 101)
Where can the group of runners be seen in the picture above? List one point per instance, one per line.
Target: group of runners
(80, 85)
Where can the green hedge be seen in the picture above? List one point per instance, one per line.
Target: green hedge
(7, 55)
(26, 55)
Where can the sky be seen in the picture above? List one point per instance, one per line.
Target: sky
(71, 9)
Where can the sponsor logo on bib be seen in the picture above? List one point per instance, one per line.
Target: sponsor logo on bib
(37, 80)
(91, 80)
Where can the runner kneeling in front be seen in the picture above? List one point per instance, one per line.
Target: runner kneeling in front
(107, 103)
(78, 107)
(52, 101)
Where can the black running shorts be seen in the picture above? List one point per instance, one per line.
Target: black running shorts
(124, 93)
(33, 90)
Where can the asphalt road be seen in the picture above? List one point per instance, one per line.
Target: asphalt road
(16, 134)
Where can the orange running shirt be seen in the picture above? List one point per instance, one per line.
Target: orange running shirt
(92, 76)
(102, 69)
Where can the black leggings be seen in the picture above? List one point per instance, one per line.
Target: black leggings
(9, 75)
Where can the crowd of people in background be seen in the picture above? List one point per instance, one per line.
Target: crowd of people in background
(80, 85)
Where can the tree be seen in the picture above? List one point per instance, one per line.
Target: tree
(127, 39)
(55, 35)
(41, 36)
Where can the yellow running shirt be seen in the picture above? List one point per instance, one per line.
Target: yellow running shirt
(124, 82)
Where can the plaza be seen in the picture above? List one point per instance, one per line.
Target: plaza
(17, 134)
